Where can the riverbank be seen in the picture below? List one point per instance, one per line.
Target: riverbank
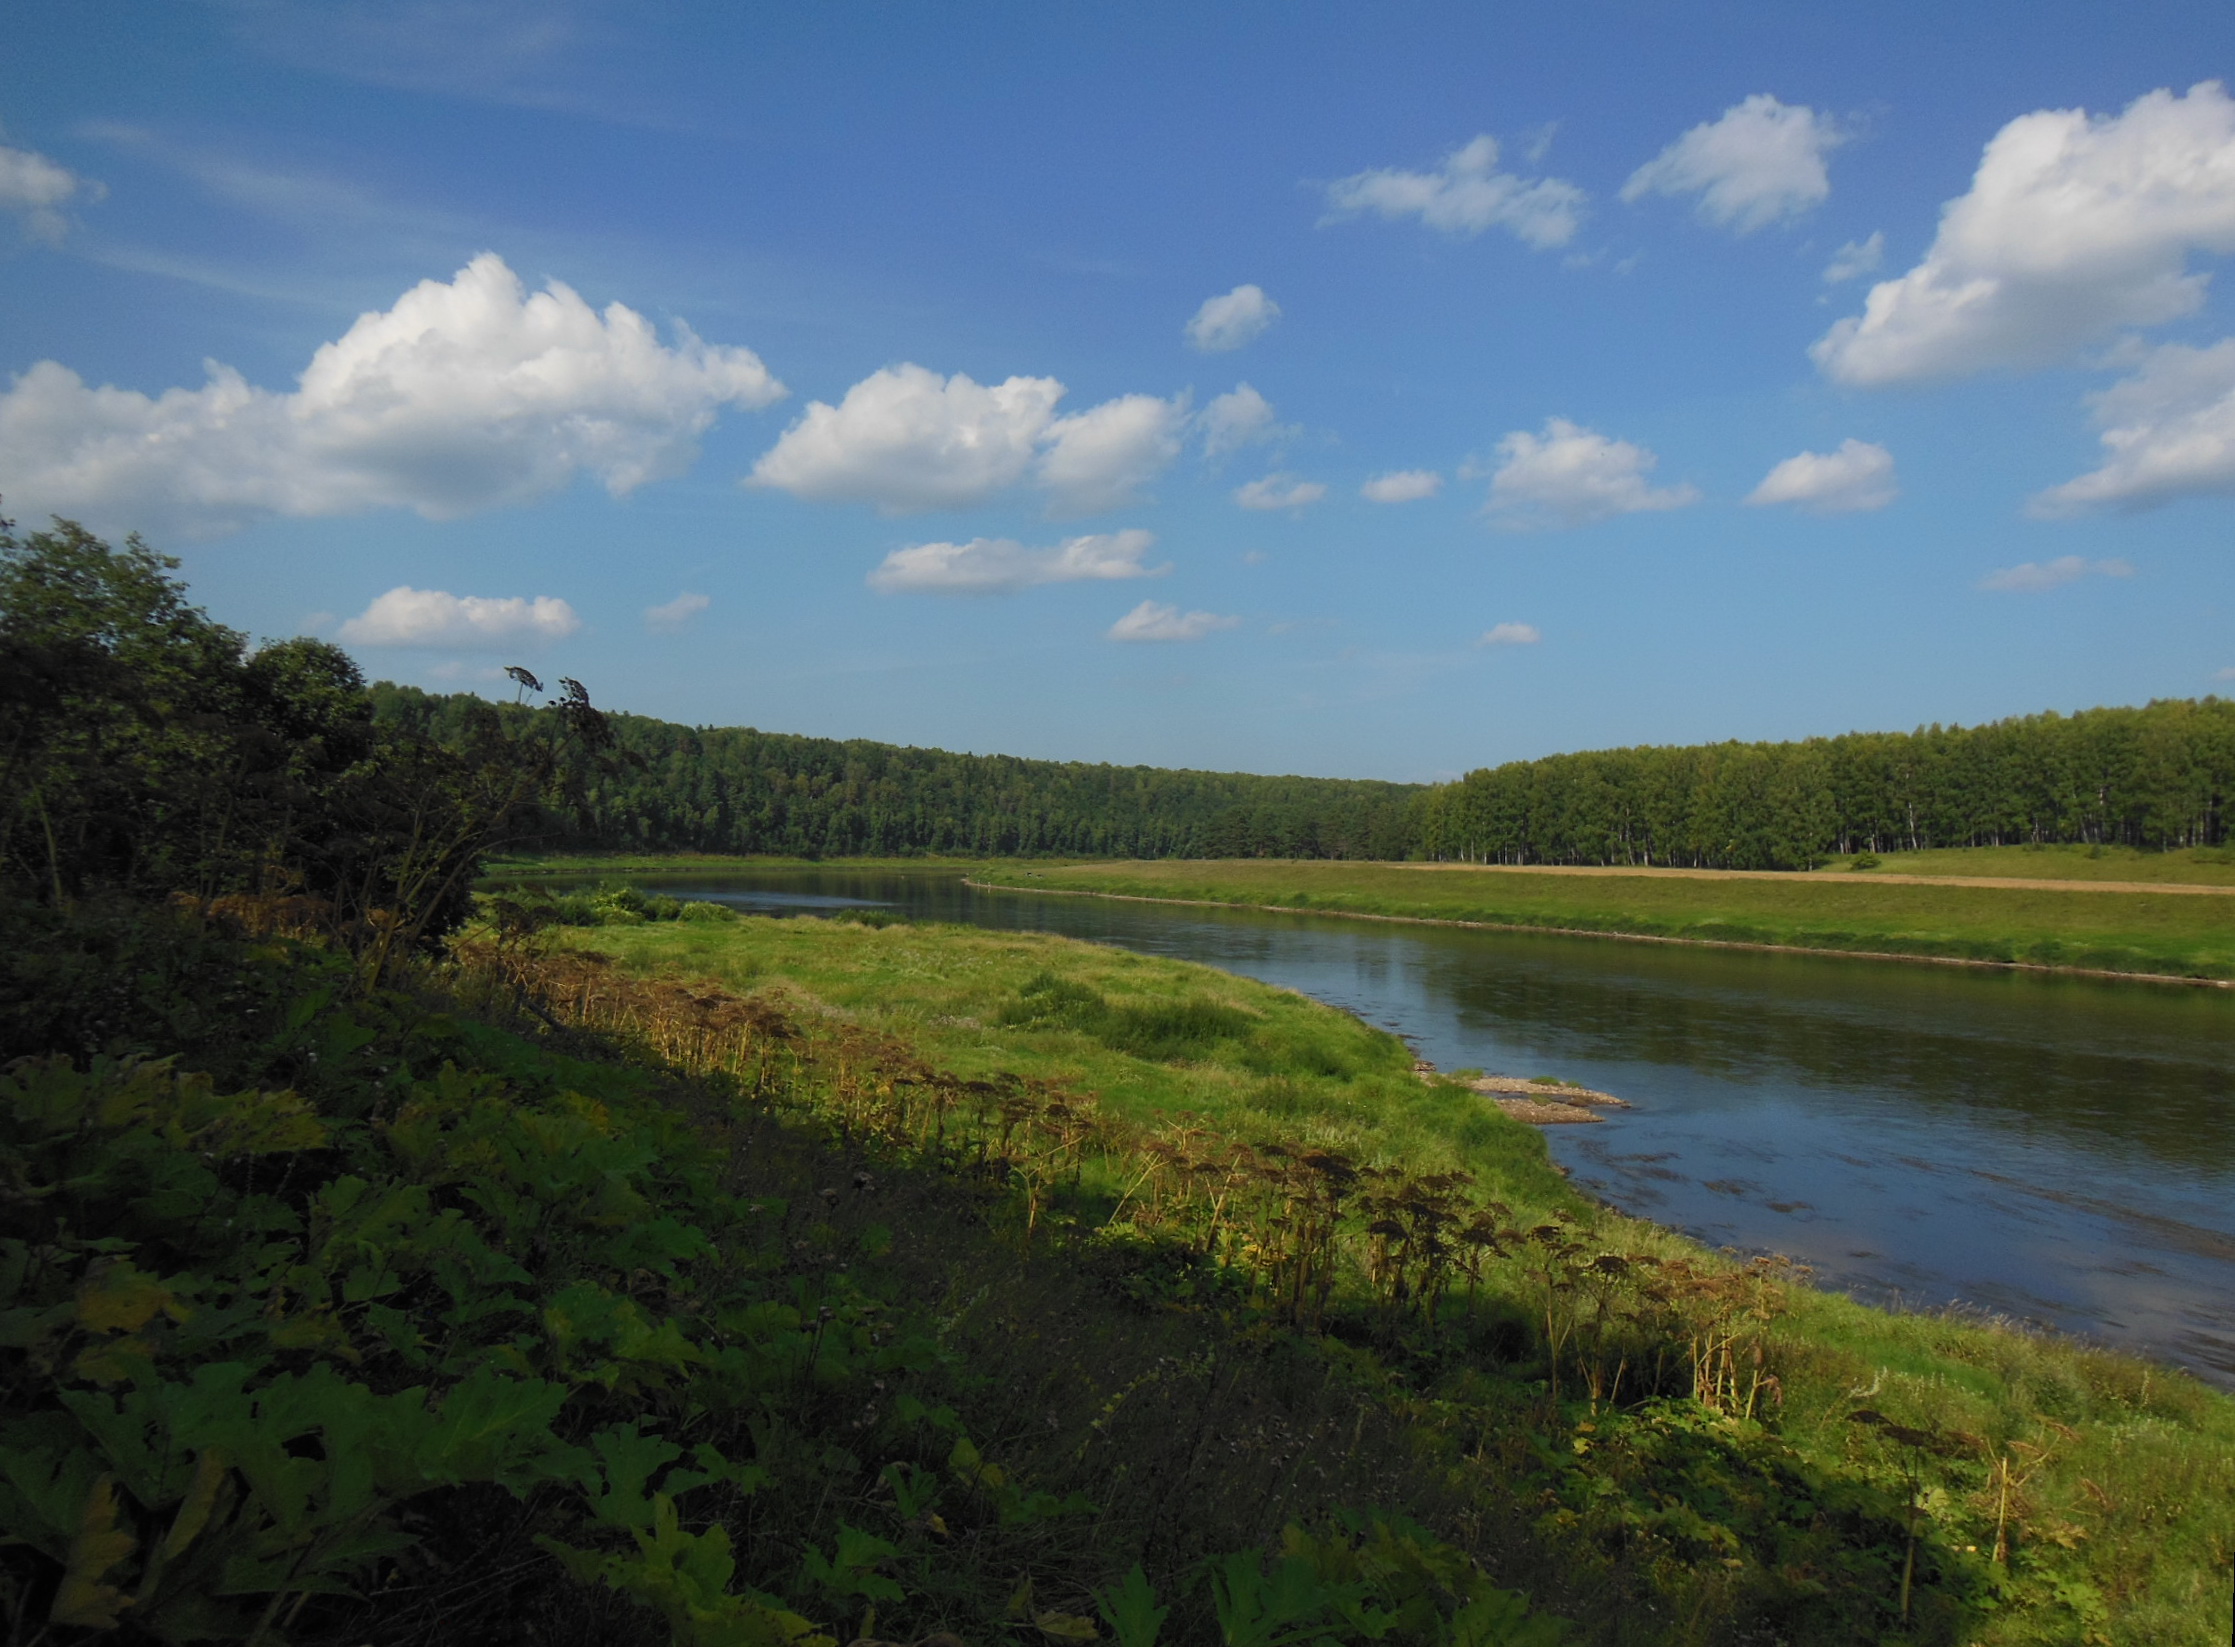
(2098, 1448)
(2075, 929)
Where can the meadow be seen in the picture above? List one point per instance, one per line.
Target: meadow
(2085, 927)
(2030, 1489)
(2185, 866)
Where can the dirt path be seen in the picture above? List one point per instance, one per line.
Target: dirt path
(2181, 889)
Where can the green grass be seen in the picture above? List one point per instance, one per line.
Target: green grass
(1252, 1059)
(2180, 935)
(503, 865)
(2193, 866)
(2121, 1470)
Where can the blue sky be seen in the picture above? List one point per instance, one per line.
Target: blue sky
(1368, 390)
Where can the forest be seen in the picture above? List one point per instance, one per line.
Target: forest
(734, 789)
(2157, 777)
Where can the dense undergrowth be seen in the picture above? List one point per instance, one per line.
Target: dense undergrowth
(2059, 1491)
(366, 1317)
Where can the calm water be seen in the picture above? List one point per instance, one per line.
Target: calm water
(2062, 1151)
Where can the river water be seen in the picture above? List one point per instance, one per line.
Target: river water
(2061, 1151)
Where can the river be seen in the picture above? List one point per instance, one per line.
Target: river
(2060, 1151)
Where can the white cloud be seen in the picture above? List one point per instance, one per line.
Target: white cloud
(1241, 417)
(462, 397)
(36, 188)
(2031, 577)
(1279, 491)
(2074, 228)
(2227, 674)
(672, 615)
(1573, 476)
(1000, 566)
(1762, 160)
(1855, 478)
(1100, 458)
(1402, 486)
(1228, 322)
(1464, 196)
(1510, 634)
(1157, 621)
(905, 438)
(2169, 430)
(1856, 258)
(432, 617)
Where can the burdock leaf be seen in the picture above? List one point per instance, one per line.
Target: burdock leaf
(84, 1598)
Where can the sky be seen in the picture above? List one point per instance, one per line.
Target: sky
(1364, 391)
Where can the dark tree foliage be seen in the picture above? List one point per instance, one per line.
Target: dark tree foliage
(712, 789)
(140, 749)
(2158, 777)
(146, 751)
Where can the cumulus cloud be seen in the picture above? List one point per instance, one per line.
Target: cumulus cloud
(462, 397)
(1001, 566)
(1464, 196)
(1241, 417)
(672, 615)
(1100, 458)
(1573, 476)
(1856, 259)
(1760, 161)
(1855, 478)
(1402, 486)
(1510, 634)
(2168, 430)
(2031, 577)
(433, 617)
(1158, 621)
(904, 438)
(1279, 491)
(35, 189)
(2075, 227)
(1228, 322)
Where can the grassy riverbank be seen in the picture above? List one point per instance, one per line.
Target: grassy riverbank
(1787, 1510)
(2188, 866)
(2179, 935)
(2197, 866)
(502, 866)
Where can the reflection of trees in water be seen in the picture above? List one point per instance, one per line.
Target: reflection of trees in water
(2109, 1066)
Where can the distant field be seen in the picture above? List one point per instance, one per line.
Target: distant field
(2200, 866)
(2165, 934)
(2204, 866)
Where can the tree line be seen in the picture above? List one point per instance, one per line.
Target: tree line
(735, 789)
(2158, 777)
